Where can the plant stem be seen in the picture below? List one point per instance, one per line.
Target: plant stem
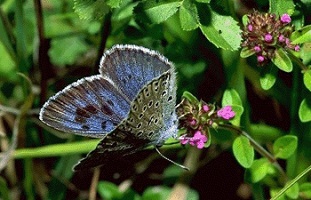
(291, 183)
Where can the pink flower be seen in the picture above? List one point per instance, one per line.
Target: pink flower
(260, 58)
(193, 122)
(297, 48)
(287, 41)
(205, 108)
(250, 27)
(197, 140)
(285, 18)
(268, 37)
(184, 139)
(257, 49)
(281, 38)
(226, 113)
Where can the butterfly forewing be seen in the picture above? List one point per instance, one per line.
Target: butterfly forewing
(91, 106)
(132, 67)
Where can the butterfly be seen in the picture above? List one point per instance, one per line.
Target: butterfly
(130, 104)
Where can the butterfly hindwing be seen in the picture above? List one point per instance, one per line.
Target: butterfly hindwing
(112, 147)
(92, 106)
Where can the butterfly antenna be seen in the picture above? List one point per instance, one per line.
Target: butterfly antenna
(175, 163)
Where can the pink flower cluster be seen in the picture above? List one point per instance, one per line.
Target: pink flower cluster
(196, 117)
(197, 140)
(265, 32)
(226, 113)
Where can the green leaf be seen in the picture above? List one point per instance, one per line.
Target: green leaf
(91, 9)
(5, 41)
(293, 191)
(191, 98)
(74, 48)
(114, 3)
(222, 31)
(304, 111)
(282, 61)
(8, 66)
(285, 146)
(108, 190)
(246, 52)
(305, 190)
(156, 193)
(4, 190)
(280, 7)
(188, 15)
(268, 77)
(243, 151)
(307, 79)
(302, 35)
(259, 169)
(203, 1)
(232, 98)
(153, 11)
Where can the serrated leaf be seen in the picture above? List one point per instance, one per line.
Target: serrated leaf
(305, 190)
(259, 169)
(246, 52)
(307, 79)
(155, 12)
(243, 151)
(91, 9)
(304, 111)
(285, 146)
(282, 61)
(188, 16)
(280, 7)
(302, 35)
(268, 77)
(114, 3)
(222, 31)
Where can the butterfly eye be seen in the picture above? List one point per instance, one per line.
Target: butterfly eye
(140, 115)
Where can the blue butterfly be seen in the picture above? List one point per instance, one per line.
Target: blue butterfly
(130, 104)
